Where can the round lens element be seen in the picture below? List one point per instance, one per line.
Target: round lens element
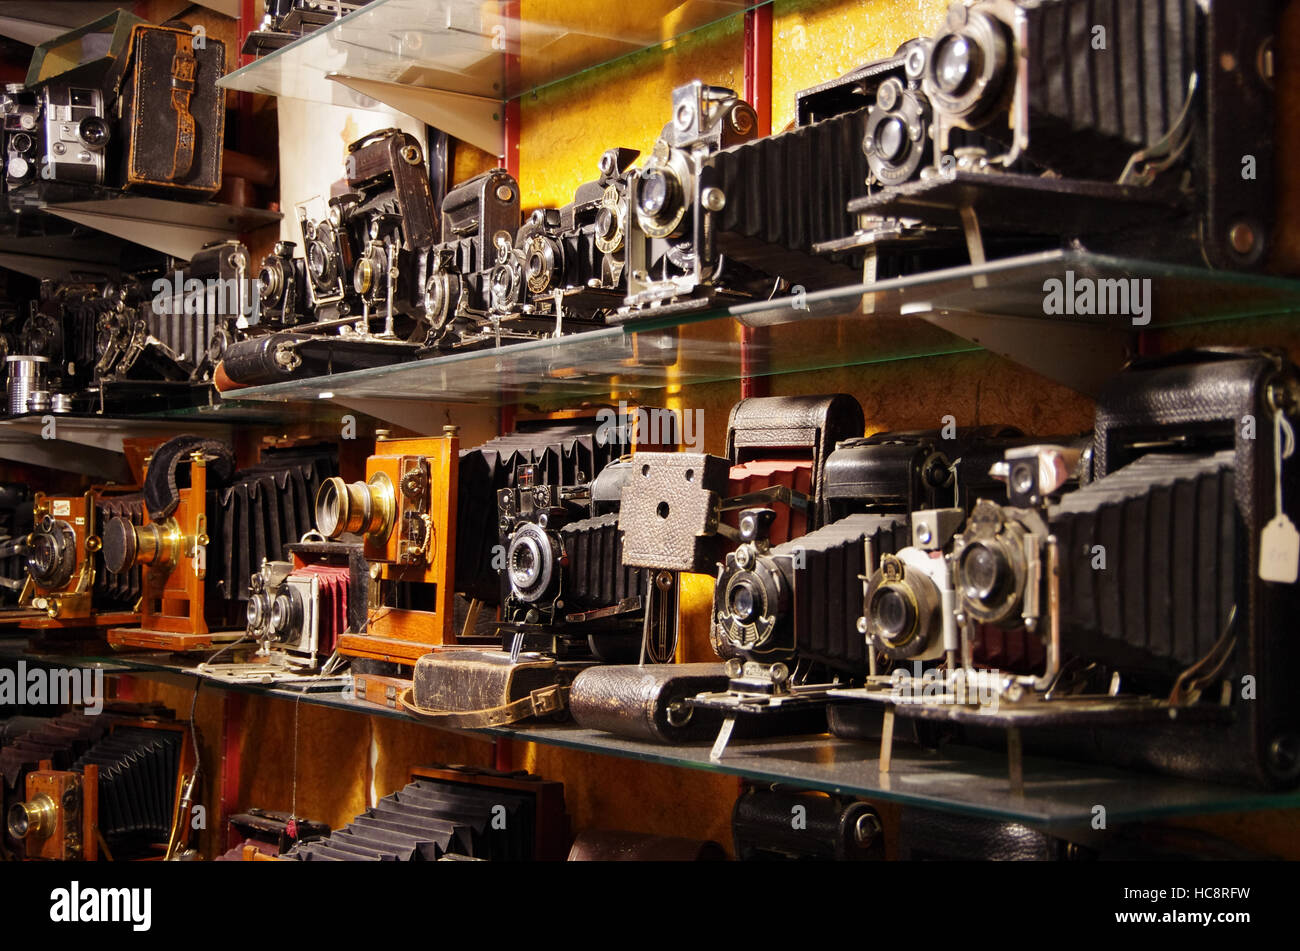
(526, 564)
(984, 573)
(19, 823)
(256, 611)
(952, 63)
(744, 601)
(655, 189)
(606, 224)
(93, 132)
(892, 139)
(892, 614)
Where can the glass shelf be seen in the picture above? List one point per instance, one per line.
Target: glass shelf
(1057, 795)
(452, 63)
(998, 306)
(50, 220)
(464, 46)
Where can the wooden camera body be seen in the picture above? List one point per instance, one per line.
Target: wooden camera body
(405, 513)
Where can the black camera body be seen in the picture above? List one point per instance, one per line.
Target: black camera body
(573, 258)
(472, 270)
(1120, 128)
(23, 143)
(565, 588)
(283, 287)
(329, 256)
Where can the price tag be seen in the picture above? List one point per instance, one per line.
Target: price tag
(1279, 551)
(1279, 543)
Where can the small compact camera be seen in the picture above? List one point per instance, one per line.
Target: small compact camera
(76, 134)
(22, 135)
(328, 254)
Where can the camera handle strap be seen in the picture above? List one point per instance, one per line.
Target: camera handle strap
(545, 700)
(184, 66)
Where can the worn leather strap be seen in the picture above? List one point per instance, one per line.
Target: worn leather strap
(184, 66)
(545, 700)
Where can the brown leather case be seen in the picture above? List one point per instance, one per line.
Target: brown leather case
(171, 115)
(483, 688)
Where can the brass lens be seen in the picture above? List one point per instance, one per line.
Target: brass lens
(360, 508)
(127, 545)
(36, 818)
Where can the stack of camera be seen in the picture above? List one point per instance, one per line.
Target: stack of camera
(1118, 596)
(120, 105)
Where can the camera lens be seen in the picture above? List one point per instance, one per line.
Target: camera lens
(536, 265)
(525, 564)
(257, 611)
(19, 823)
(270, 281)
(22, 143)
(606, 224)
(954, 63)
(891, 138)
(93, 132)
(654, 192)
(984, 573)
(892, 614)
(286, 613)
(18, 167)
(41, 555)
(744, 601)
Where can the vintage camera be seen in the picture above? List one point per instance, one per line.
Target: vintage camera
(282, 287)
(669, 251)
(76, 133)
(909, 605)
(565, 589)
(66, 576)
(391, 222)
(329, 256)
(21, 113)
(776, 607)
(113, 776)
(52, 820)
(298, 609)
(480, 219)
(1145, 635)
(405, 513)
(207, 528)
(571, 260)
(1115, 119)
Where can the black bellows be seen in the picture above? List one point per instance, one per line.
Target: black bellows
(265, 508)
(430, 819)
(1126, 94)
(137, 784)
(825, 570)
(1167, 529)
(594, 573)
(788, 192)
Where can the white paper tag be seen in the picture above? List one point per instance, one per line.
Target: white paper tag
(62, 508)
(1279, 551)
